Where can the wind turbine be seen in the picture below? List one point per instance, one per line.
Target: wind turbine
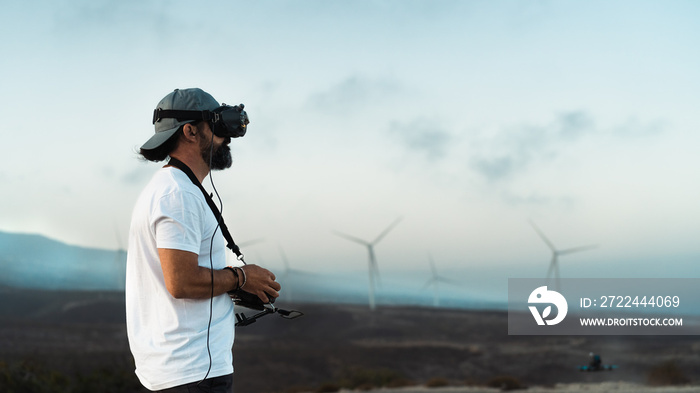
(373, 267)
(434, 280)
(554, 264)
(288, 273)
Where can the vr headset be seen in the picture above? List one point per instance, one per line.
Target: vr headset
(225, 121)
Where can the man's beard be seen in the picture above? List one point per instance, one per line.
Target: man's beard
(221, 159)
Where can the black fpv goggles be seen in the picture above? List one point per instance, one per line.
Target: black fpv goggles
(225, 121)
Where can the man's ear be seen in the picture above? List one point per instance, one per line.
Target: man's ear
(190, 132)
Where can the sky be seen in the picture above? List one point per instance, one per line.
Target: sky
(467, 119)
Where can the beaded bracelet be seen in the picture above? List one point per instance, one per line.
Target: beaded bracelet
(238, 280)
(245, 279)
(235, 270)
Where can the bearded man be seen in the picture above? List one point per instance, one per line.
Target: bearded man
(180, 319)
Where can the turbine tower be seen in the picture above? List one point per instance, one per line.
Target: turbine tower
(119, 262)
(554, 264)
(434, 280)
(373, 267)
(287, 274)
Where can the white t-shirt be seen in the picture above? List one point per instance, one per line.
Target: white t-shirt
(168, 336)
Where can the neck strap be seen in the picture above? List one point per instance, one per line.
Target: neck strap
(219, 218)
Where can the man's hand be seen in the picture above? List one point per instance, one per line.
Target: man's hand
(260, 282)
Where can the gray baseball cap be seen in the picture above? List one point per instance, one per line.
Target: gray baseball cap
(181, 99)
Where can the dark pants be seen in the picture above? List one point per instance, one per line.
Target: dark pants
(222, 384)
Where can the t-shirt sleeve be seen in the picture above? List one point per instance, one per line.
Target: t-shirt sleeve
(177, 223)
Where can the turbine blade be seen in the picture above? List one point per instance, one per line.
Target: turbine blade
(351, 238)
(386, 231)
(539, 232)
(577, 249)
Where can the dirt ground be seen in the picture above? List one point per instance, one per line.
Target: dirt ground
(600, 387)
(83, 332)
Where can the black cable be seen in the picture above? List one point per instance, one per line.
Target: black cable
(211, 262)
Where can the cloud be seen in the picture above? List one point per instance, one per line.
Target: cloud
(513, 150)
(573, 125)
(353, 93)
(509, 158)
(127, 25)
(99, 16)
(633, 127)
(424, 137)
(495, 168)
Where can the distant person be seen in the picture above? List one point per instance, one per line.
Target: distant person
(596, 362)
(180, 319)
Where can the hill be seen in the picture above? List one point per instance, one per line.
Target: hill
(35, 261)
